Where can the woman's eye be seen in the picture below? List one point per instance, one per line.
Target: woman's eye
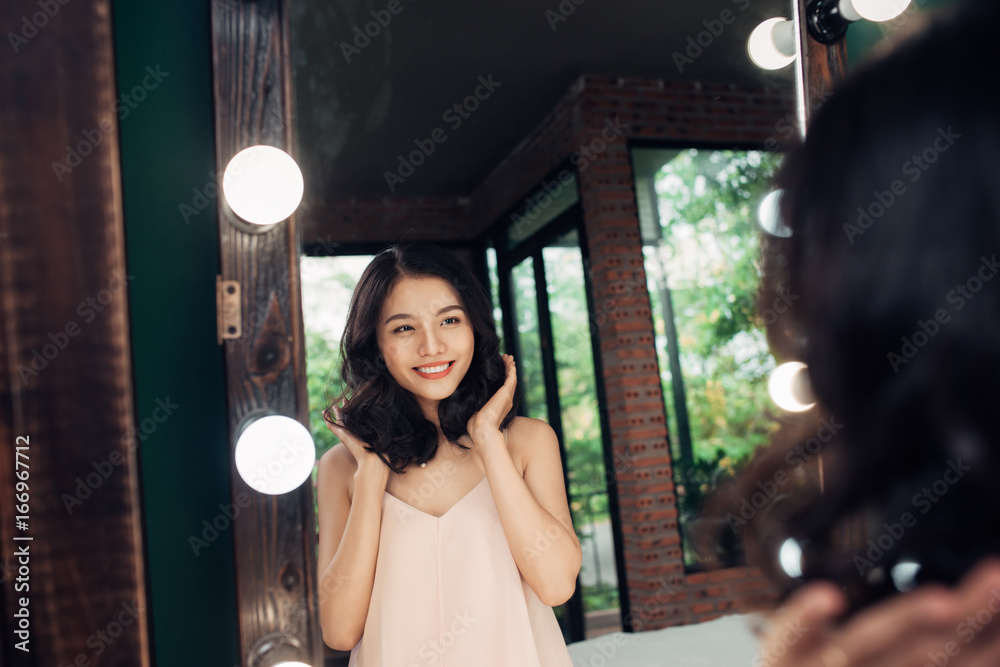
(450, 319)
(405, 326)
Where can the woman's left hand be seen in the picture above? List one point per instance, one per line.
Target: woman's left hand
(488, 419)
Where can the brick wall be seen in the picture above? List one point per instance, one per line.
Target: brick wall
(660, 593)
(591, 127)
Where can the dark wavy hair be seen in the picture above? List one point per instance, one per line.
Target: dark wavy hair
(376, 409)
(893, 201)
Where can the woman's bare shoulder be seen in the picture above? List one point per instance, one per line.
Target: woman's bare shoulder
(526, 426)
(522, 432)
(337, 467)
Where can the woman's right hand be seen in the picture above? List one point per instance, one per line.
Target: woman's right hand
(364, 457)
(931, 625)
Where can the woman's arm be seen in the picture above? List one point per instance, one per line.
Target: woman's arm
(348, 543)
(533, 509)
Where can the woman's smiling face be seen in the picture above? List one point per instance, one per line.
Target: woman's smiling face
(426, 339)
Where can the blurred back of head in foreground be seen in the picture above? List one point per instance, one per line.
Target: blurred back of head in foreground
(893, 202)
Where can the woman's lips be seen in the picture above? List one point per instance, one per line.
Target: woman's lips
(435, 376)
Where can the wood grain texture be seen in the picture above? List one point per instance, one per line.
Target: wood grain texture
(265, 368)
(66, 354)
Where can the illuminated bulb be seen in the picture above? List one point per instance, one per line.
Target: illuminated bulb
(275, 454)
(784, 382)
(293, 663)
(873, 10)
(904, 575)
(263, 185)
(772, 43)
(769, 215)
(790, 557)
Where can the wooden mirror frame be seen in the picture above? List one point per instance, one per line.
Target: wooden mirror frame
(275, 536)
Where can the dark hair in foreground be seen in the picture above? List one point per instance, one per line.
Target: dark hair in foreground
(377, 410)
(894, 206)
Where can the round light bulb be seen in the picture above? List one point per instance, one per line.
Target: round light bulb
(782, 386)
(275, 454)
(769, 215)
(772, 44)
(263, 185)
(790, 557)
(904, 575)
(879, 10)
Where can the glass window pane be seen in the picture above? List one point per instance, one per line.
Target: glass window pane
(327, 286)
(581, 422)
(529, 340)
(701, 247)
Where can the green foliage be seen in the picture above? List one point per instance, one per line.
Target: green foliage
(323, 383)
(710, 246)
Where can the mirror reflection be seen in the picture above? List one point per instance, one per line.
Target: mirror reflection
(598, 168)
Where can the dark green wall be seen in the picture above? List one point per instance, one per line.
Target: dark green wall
(168, 150)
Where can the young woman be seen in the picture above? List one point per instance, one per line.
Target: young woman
(444, 532)
(895, 218)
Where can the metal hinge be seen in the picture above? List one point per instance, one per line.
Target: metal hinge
(227, 308)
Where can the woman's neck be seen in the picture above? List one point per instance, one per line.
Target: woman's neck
(430, 410)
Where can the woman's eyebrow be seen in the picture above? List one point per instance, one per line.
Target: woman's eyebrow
(405, 316)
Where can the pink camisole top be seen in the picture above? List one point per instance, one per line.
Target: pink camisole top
(448, 593)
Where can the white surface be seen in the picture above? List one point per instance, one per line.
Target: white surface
(263, 184)
(275, 454)
(723, 642)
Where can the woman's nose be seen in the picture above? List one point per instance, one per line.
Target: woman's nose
(432, 343)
